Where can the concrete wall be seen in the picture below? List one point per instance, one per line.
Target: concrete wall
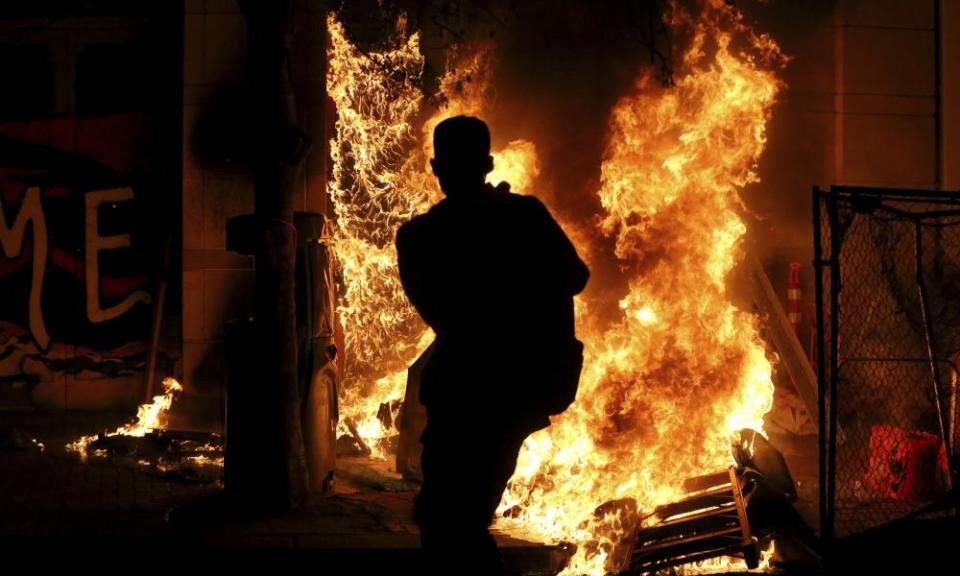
(90, 161)
(885, 105)
(950, 92)
(218, 284)
(858, 108)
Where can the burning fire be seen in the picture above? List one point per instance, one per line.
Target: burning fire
(380, 179)
(149, 418)
(666, 385)
(371, 196)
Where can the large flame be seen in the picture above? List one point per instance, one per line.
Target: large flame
(664, 386)
(373, 136)
(380, 179)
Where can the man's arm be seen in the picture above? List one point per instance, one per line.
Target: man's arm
(412, 262)
(572, 272)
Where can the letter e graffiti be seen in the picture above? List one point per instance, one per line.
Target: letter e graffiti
(11, 240)
(95, 243)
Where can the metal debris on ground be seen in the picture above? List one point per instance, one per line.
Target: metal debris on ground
(735, 513)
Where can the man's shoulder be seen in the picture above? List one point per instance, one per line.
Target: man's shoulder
(444, 212)
(526, 206)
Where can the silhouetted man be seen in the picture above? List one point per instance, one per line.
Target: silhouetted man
(494, 276)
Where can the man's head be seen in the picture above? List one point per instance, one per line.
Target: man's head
(461, 150)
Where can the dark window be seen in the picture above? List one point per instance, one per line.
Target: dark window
(27, 82)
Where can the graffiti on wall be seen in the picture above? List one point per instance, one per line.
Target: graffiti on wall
(78, 256)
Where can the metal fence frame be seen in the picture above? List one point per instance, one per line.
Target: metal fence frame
(917, 206)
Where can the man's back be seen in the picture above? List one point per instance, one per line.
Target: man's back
(494, 276)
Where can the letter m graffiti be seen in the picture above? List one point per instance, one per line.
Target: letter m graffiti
(11, 242)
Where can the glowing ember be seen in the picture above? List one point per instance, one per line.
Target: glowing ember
(149, 417)
(196, 461)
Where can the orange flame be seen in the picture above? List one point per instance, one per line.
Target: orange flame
(371, 198)
(666, 385)
(149, 417)
(381, 179)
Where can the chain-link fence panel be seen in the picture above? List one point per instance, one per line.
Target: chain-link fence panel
(889, 279)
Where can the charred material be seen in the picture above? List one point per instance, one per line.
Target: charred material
(195, 457)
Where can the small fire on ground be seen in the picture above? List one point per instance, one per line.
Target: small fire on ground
(145, 441)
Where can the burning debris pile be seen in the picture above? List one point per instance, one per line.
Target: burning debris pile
(665, 387)
(190, 456)
(735, 512)
(682, 370)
